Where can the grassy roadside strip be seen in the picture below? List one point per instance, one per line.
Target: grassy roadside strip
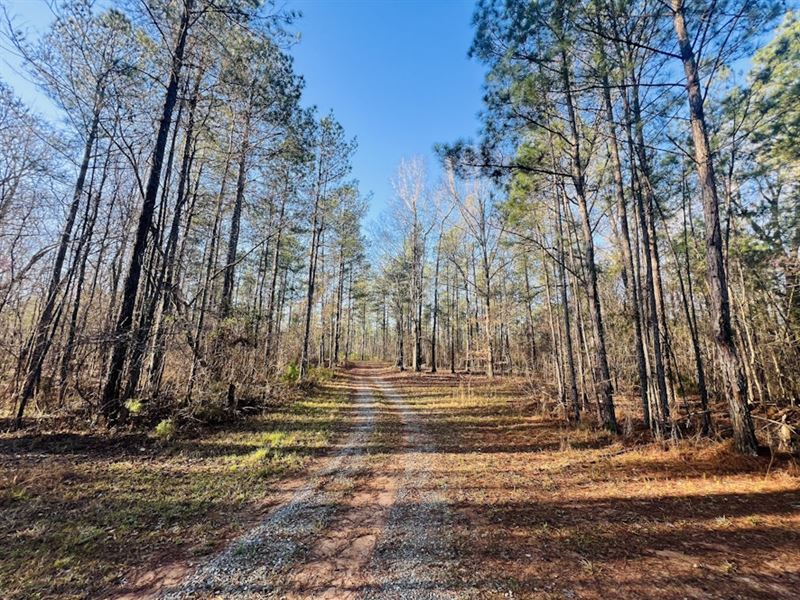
(79, 512)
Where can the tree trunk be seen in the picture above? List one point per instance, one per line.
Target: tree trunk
(434, 330)
(236, 218)
(337, 327)
(348, 340)
(210, 262)
(82, 255)
(168, 278)
(628, 270)
(743, 430)
(400, 362)
(529, 327)
(269, 349)
(574, 402)
(111, 404)
(152, 296)
(487, 315)
(312, 274)
(645, 204)
(578, 179)
(416, 297)
(39, 344)
(555, 338)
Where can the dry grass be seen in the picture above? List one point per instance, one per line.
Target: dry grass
(543, 511)
(80, 511)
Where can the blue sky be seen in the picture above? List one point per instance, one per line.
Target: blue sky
(395, 73)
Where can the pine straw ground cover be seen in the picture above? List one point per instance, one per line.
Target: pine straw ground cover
(81, 514)
(541, 512)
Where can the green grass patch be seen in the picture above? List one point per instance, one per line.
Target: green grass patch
(76, 522)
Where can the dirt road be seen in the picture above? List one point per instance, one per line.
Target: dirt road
(369, 521)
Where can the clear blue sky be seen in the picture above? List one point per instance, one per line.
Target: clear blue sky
(395, 73)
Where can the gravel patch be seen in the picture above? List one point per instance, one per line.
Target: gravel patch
(415, 559)
(254, 565)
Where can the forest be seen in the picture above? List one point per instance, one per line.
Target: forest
(192, 281)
